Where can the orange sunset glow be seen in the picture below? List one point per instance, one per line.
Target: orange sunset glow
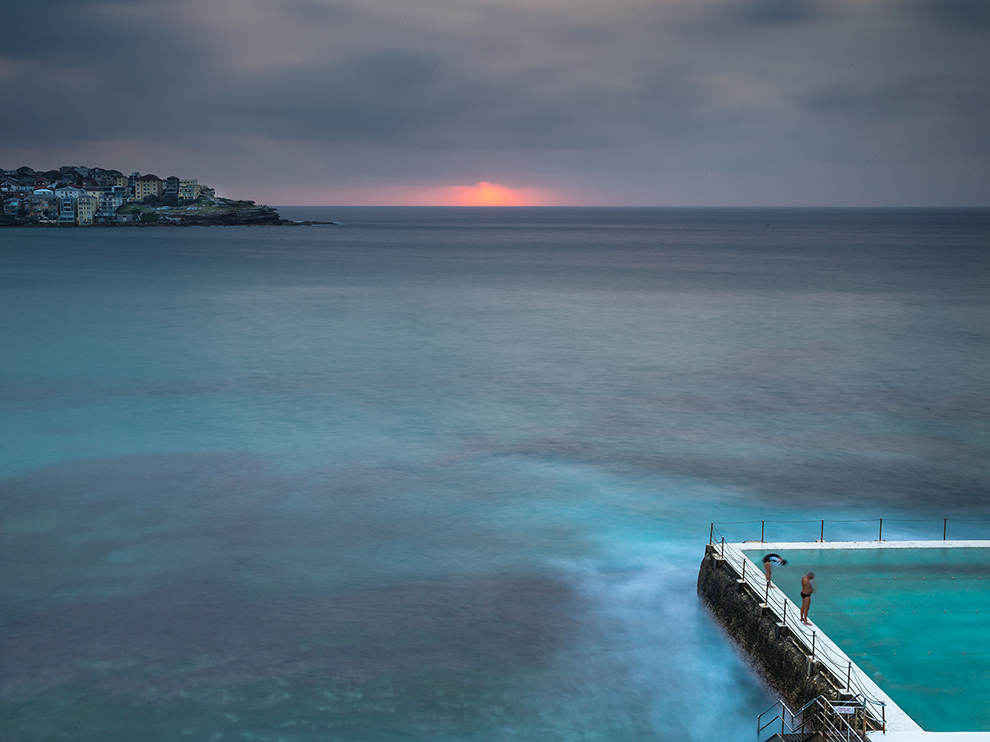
(491, 194)
(483, 193)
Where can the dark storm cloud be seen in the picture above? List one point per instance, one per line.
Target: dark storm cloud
(385, 95)
(316, 12)
(585, 91)
(89, 71)
(966, 13)
(426, 99)
(105, 38)
(774, 12)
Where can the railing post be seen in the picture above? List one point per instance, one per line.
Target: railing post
(711, 533)
(744, 568)
(812, 647)
(945, 527)
(880, 537)
(766, 599)
(763, 524)
(723, 547)
(823, 531)
(849, 673)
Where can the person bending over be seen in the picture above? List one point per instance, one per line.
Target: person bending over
(771, 559)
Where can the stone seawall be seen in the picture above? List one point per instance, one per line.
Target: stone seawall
(776, 653)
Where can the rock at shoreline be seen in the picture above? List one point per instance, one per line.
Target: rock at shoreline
(212, 213)
(249, 215)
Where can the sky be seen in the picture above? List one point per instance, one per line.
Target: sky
(511, 102)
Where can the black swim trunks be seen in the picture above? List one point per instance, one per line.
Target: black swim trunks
(805, 595)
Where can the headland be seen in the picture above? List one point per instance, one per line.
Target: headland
(76, 196)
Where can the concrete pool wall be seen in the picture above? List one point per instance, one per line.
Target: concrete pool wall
(799, 661)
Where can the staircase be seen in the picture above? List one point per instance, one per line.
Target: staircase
(819, 720)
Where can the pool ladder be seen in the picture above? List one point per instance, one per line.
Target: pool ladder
(819, 720)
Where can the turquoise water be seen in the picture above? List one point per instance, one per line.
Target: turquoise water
(915, 620)
(448, 474)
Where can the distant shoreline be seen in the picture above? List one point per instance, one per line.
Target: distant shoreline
(220, 214)
(77, 196)
(282, 223)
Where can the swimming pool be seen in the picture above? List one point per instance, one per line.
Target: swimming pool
(915, 620)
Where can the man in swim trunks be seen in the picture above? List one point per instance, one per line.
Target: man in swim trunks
(771, 559)
(807, 588)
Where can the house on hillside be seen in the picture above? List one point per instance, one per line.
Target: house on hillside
(70, 192)
(13, 206)
(43, 205)
(86, 208)
(148, 185)
(66, 211)
(170, 190)
(110, 201)
(188, 189)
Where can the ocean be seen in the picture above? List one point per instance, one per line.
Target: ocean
(448, 474)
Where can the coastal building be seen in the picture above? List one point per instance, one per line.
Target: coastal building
(148, 185)
(69, 192)
(83, 195)
(86, 209)
(109, 178)
(78, 170)
(43, 205)
(110, 201)
(170, 189)
(12, 206)
(67, 210)
(189, 189)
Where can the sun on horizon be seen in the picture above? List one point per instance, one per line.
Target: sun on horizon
(482, 193)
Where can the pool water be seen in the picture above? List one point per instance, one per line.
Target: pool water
(915, 620)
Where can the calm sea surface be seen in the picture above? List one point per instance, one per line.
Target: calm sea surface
(447, 474)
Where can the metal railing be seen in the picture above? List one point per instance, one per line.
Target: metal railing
(836, 665)
(837, 720)
(928, 529)
(818, 715)
(782, 714)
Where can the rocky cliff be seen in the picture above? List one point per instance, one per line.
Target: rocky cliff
(776, 654)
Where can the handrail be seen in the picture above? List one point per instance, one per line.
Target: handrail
(821, 523)
(820, 714)
(781, 716)
(839, 667)
(828, 717)
(778, 604)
